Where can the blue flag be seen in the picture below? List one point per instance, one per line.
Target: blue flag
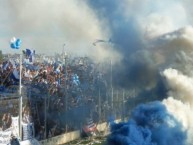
(30, 54)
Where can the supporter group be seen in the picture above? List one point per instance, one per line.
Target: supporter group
(59, 92)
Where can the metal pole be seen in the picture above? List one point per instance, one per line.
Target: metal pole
(66, 94)
(64, 55)
(63, 48)
(20, 99)
(45, 117)
(117, 105)
(99, 109)
(123, 101)
(112, 99)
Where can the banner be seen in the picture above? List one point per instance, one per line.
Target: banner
(5, 136)
(15, 126)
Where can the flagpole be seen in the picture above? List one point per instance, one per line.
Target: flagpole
(20, 99)
(15, 44)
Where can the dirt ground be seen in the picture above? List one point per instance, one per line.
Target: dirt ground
(89, 141)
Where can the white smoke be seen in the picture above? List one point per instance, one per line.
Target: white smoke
(156, 18)
(181, 86)
(47, 25)
(183, 113)
(180, 102)
(174, 50)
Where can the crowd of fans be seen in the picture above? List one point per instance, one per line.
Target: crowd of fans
(60, 94)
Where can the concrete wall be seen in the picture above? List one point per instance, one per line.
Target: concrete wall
(61, 139)
(30, 142)
(65, 138)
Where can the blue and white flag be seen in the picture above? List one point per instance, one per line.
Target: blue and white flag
(30, 54)
(16, 74)
(5, 65)
(28, 131)
(15, 43)
(75, 79)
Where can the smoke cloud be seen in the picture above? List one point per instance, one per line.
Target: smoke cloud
(149, 35)
(131, 26)
(181, 86)
(149, 124)
(154, 38)
(48, 25)
(183, 113)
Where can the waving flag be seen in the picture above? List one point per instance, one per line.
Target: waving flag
(30, 54)
(103, 41)
(15, 43)
(75, 79)
(98, 41)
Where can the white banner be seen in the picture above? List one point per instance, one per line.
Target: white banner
(5, 136)
(15, 126)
